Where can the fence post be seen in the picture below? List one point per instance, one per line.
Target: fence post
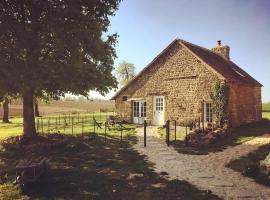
(56, 127)
(144, 133)
(94, 125)
(48, 124)
(105, 131)
(72, 125)
(121, 133)
(168, 132)
(82, 125)
(42, 125)
(65, 125)
(186, 141)
(175, 130)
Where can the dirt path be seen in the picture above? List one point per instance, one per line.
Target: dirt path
(207, 172)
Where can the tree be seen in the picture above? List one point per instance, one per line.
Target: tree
(54, 47)
(36, 108)
(5, 110)
(5, 99)
(125, 71)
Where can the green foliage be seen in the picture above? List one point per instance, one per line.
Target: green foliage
(125, 71)
(49, 48)
(220, 97)
(55, 47)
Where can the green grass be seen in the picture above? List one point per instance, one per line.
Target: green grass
(266, 107)
(266, 115)
(13, 128)
(249, 165)
(82, 124)
(93, 169)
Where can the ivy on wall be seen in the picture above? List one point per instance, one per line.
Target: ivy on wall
(220, 98)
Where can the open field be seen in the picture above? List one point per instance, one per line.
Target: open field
(266, 107)
(55, 107)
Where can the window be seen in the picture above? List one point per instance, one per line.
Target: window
(124, 98)
(159, 104)
(139, 108)
(143, 109)
(208, 112)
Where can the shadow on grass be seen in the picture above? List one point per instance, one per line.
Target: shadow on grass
(237, 136)
(93, 169)
(249, 165)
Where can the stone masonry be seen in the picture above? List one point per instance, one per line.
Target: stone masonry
(185, 81)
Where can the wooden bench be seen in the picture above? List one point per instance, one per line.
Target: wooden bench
(28, 171)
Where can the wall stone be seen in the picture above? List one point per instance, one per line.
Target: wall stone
(185, 82)
(180, 77)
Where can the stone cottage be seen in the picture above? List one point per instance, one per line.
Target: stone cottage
(177, 85)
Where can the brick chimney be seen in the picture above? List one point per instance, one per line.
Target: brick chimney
(222, 50)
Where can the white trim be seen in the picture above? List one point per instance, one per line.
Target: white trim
(136, 99)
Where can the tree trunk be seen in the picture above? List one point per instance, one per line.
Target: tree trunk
(29, 129)
(36, 109)
(6, 110)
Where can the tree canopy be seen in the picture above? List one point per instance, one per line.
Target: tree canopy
(53, 47)
(125, 71)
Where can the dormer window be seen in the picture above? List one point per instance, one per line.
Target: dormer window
(124, 98)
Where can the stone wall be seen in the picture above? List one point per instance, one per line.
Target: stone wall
(244, 104)
(177, 75)
(185, 81)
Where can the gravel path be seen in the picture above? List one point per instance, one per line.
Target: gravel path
(207, 172)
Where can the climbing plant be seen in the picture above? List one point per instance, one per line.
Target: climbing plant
(220, 97)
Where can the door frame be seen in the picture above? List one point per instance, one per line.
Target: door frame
(154, 111)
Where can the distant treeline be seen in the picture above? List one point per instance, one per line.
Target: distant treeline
(266, 107)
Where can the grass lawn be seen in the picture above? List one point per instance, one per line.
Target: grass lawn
(93, 169)
(266, 107)
(249, 165)
(266, 115)
(14, 128)
(238, 136)
(55, 123)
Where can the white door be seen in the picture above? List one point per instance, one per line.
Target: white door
(139, 111)
(159, 107)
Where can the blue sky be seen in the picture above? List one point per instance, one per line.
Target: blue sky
(146, 27)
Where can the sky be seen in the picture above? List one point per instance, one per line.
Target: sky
(146, 27)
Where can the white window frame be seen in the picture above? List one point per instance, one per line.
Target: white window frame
(139, 111)
(208, 112)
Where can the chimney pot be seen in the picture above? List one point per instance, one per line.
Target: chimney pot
(222, 50)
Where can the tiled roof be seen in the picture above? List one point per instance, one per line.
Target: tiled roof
(224, 67)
